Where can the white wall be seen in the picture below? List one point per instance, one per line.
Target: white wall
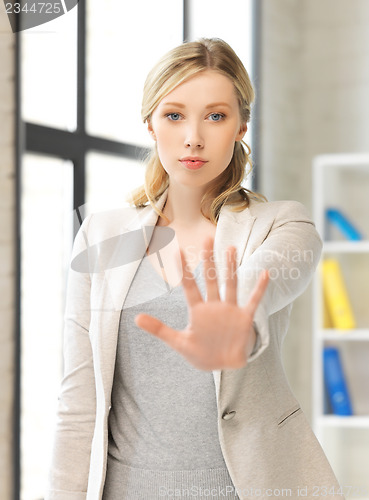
(6, 251)
(314, 99)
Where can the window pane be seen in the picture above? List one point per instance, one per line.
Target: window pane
(109, 179)
(231, 21)
(125, 39)
(46, 232)
(49, 73)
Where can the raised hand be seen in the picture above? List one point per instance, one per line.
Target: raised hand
(219, 333)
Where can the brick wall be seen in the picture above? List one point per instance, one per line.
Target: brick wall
(6, 250)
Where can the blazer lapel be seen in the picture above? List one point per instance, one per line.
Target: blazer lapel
(233, 229)
(117, 281)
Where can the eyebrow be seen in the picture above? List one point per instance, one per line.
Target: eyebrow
(212, 105)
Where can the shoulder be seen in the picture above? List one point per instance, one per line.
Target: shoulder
(109, 223)
(116, 216)
(281, 211)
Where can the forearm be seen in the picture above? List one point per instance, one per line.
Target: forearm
(76, 412)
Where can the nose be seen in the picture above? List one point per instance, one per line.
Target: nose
(194, 138)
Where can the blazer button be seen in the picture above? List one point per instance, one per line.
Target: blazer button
(229, 415)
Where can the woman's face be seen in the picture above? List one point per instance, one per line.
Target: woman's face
(195, 127)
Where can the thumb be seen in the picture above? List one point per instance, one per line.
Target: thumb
(158, 329)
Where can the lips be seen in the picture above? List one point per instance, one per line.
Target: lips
(193, 162)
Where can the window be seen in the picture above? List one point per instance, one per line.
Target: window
(80, 78)
(46, 229)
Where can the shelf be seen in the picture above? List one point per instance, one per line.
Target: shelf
(356, 421)
(357, 334)
(346, 160)
(346, 246)
(342, 181)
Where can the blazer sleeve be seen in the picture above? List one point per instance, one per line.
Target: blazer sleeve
(290, 252)
(68, 474)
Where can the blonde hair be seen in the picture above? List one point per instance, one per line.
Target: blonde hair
(175, 67)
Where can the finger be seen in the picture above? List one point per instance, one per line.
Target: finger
(258, 292)
(191, 290)
(158, 329)
(231, 283)
(210, 271)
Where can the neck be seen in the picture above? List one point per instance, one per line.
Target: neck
(183, 205)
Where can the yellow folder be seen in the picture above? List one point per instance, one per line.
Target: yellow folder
(336, 297)
(327, 320)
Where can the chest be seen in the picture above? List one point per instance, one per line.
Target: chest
(190, 241)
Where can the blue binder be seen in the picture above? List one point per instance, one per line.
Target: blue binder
(335, 383)
(337, 218)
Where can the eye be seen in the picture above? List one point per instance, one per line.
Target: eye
(173, 116)
(216, 117)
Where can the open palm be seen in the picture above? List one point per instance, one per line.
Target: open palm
(218, 333)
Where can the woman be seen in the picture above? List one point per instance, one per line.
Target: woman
(177, 309)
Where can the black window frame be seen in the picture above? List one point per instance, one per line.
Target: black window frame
(73, 146)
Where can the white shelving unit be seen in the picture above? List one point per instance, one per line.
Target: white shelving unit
(342, 181)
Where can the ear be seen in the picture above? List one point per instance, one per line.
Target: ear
(151, 130)
(241, 132)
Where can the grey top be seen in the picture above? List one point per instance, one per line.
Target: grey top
(163, 434)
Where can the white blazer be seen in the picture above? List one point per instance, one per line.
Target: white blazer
(265, 438)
